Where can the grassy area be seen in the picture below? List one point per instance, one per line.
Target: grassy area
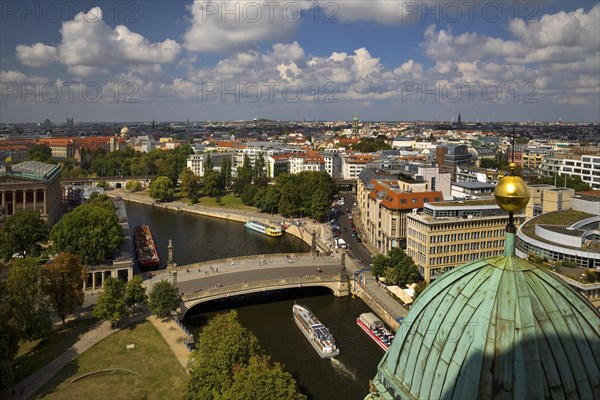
(227, 201)
(34, 355)
(160, 376)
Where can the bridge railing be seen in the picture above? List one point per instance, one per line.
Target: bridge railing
(270, 283)
(189, 342)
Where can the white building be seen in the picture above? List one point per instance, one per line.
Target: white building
(353, 164)
(587, 167)
(196, 162)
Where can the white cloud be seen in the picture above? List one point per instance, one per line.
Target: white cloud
(89, 46)
(37, 55)
(231, 25)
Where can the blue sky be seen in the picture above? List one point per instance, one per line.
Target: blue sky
(243, 59)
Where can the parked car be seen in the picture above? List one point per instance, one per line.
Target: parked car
(359, 240)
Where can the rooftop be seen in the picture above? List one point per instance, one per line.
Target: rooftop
(34, 170)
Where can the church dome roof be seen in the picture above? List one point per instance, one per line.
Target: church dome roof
(124, 131)
(500, 327)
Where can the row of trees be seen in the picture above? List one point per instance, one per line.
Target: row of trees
(228, 364)
(126, 162)
(119, 296)
(308, 194)
(91, 232)
(370, 145)
(31, 289)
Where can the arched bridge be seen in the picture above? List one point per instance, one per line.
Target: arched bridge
(213, 280)
(339, 287)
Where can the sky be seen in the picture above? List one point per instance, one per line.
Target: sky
(126, 61)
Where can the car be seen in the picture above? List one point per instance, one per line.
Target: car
(350, 217)
(353, 234)
(359, 240)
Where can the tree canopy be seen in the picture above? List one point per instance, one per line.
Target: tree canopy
(308, 194)
(25, 289)
(92, 232)
(570, 181)
(23, 234)
(10, 334)
(135, 292)
(111, 303)
(161, 188)
(163, 299)
(227, 364)
(369, 145)
(40, 152)
(398, 268)
(63, 283)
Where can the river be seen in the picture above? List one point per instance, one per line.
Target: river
(269, 315)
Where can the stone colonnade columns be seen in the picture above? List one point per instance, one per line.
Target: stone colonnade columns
(24, 192)
(45, 201)
(14, 202)
(35, 199)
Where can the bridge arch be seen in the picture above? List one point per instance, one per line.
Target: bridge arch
(339, 287)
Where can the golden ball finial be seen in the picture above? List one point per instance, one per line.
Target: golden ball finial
(512, 193)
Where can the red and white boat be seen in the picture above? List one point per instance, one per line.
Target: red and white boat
(374, 327)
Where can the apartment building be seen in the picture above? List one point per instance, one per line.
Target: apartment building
(448, 234)
(353, 164)
(196, 162)
(532, 158)
(387, 206)
(586, 166)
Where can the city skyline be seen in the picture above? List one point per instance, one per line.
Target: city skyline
(289, 61)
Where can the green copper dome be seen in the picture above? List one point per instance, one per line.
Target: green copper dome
(497, 328)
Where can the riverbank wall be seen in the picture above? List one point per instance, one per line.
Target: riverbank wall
(303, 233)
(377, 307)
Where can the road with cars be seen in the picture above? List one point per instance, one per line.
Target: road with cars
(356, 249)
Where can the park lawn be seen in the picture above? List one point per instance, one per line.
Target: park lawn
(227, 201)
(33, 355)
(160, 376)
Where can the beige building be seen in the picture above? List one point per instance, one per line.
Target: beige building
(31, 185)
(449, 234)
(548, 198)
(384, 204)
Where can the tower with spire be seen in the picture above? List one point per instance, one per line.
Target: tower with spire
(459, 120)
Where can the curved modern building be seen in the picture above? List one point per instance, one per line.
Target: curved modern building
(562, 235)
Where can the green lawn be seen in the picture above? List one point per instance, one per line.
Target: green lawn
(160, 376)
(34, 355)
(227, 201)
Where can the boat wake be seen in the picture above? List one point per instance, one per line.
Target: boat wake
(343, 370)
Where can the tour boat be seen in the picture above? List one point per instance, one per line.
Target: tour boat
(147, 255)
(318, 336)
(374, 327)
(268, 230)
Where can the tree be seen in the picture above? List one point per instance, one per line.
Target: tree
(248, 194)
(163, 299)
(111, 303)
(135, 292)
(40, 152)
(222, 344)
(23, 234)
(90, 231)
(261, 380)
(212, 183)
(398, 268)
(244, 176)
(419, 288)
(134, 186)
(208, 165)
(9, 339)
(190, 185)
(570, 181)
(161, 188)
(101, 200)
(226, 172)
(24, 286)
(63, 283)
(319, 206)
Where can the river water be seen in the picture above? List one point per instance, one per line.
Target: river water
(269, 315)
